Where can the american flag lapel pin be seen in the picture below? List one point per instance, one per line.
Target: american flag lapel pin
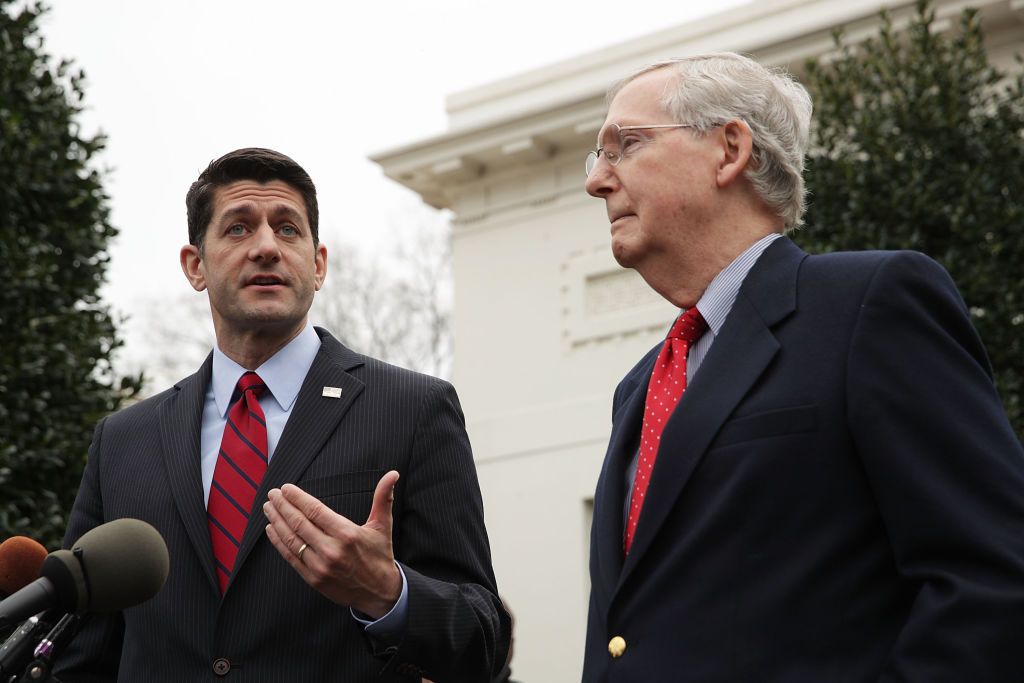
(332, 392)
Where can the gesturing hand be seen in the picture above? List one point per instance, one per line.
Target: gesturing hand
(351, 565)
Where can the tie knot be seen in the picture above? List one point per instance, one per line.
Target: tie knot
(689, 326)
(250, 381)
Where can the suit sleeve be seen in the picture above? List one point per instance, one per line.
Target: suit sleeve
(947, 471)
(457, 629)
(93, 655)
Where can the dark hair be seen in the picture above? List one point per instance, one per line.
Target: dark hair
(252, 163)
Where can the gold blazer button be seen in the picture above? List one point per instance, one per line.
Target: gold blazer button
(617, 646)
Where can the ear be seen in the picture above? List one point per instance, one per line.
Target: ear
(320, 264)
(737, 146)
(192, 266)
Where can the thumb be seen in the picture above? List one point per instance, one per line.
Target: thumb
(383, 497)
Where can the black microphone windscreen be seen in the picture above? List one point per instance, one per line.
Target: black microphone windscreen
(125, 562)
(65, 574)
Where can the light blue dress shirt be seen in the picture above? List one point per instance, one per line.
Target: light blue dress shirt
(718, 299)
(283, 373)
(715, 305)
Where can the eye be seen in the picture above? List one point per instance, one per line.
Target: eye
(629, 141)
(289, 230)
(236, 229)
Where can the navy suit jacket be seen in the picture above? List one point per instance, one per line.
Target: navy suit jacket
(270, 625)
(838, 496)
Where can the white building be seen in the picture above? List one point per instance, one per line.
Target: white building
(546, 323)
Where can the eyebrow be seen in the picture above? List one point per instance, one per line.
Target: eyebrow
(246, 208)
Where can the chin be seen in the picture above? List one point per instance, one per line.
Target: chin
(268, 317)
(625, 256)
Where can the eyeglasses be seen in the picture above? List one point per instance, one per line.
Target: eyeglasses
(618, 142)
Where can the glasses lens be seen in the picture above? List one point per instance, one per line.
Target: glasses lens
(591, 162)
(612, 142)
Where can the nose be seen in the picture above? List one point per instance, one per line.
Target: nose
(602, 180)
(263, 245)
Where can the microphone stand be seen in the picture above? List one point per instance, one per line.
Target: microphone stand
(49, 647)
(19, 648)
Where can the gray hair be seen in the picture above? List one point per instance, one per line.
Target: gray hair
(714, 88)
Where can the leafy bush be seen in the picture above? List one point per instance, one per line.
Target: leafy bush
(919, 144)
(56, 337)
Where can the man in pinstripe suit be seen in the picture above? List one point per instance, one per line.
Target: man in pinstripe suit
(365, 555)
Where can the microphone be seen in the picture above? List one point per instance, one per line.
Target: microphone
(21, 558)
(115, 565)
(60, 635)
(20, 645)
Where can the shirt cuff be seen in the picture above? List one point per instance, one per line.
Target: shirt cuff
(391, 626)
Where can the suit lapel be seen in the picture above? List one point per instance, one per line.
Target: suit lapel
(743, 349)
(313, 420)
(609, 499)
(181, 417)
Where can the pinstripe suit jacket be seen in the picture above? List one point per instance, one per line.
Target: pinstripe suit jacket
(270, 625)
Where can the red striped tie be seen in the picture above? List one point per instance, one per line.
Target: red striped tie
(240, 468)
(668, 382)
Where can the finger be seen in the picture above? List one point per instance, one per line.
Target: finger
(278, 531)
(383, 498)
(315, 512)
(303, 566)
(291, 525)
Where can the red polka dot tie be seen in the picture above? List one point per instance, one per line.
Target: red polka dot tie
(668, 382)
(241, 465)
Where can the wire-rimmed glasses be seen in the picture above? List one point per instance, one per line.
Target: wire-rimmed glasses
(617, 142)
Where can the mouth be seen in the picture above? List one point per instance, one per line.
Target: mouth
(615, 218)
(264, 280)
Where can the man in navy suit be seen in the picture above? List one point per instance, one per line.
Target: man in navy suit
(838, 494)
(363, 554)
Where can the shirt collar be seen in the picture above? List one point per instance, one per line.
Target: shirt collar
(283, 373)
(718, 298)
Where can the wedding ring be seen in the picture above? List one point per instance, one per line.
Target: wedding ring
(302, 550)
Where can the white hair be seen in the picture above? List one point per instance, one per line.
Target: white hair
(714, 88)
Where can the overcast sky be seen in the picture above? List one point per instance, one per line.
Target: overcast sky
(176, 84)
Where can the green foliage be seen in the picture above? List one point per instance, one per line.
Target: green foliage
(919, 145)
(56, 337)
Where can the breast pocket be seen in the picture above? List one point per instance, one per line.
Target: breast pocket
(349, 493)
(766, 424)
